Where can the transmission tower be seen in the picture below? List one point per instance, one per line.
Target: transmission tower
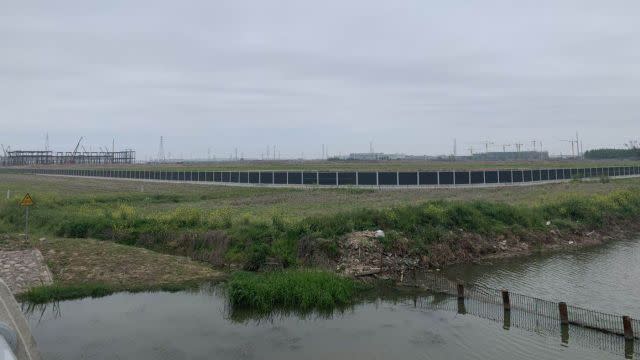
(161, 157)
(46, 142)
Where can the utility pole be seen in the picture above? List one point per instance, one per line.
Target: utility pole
(455, 148)
(518, 146)
(573, 152)
(236, 154)
(486, 146)
(46, 142)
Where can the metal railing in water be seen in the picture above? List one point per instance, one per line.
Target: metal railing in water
(609, 332)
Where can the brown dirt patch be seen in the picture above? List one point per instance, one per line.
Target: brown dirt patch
(80, 261)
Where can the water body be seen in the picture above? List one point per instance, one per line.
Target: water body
(199, 325)
(604, 278)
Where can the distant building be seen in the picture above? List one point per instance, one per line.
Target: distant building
(511, 155)
(367, 156)
(375, 156)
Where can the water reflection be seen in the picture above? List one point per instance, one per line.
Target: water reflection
(387, 300)
(604, 277)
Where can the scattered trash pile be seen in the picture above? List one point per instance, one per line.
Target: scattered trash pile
(363, 254)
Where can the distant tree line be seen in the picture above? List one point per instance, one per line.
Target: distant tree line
(632, 151)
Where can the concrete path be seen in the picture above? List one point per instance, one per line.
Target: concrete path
(22, 270)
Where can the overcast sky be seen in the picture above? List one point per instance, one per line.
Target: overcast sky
(408, 75)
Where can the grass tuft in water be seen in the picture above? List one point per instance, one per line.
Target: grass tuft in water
(299, 289)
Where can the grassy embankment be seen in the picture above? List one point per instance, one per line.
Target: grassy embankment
(246, 226)
(87, 267)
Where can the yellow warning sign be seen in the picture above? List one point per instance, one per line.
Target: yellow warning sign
(26, 201)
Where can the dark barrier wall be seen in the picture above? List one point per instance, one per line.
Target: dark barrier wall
(327, 178)
(266, 177)
(387, 178)
(353, 178)
(516, 176)
(477, 177)
(504, 176)
(491, 177)
(429, 178)
(295, 178)
(310, 177)
(280, 177)
(408, 178)
(347, 178)
(367, 178)
(445, 178)
(461, 177)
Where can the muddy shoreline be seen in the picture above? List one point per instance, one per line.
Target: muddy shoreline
(362, 255)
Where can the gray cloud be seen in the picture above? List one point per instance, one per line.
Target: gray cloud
(409, 75)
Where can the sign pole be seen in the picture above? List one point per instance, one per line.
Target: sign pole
(26, 225)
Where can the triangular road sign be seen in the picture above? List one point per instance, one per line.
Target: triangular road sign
(26, 201)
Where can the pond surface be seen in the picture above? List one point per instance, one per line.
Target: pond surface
(392, 325)
(605, 278)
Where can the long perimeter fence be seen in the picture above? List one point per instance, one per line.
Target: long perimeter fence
(300, 178)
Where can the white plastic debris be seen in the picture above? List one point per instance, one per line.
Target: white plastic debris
(548, 223)
(379, 234)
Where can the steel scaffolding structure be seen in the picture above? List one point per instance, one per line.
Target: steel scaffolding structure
(38, 157)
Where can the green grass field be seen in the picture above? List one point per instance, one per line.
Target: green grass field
(249, 226)
(148, 198)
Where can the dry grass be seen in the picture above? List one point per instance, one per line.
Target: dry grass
(87, 261)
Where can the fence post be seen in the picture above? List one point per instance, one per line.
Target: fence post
(460, 292)
(506, 301)
(628, 328)
(564, 333)
(564, 313)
